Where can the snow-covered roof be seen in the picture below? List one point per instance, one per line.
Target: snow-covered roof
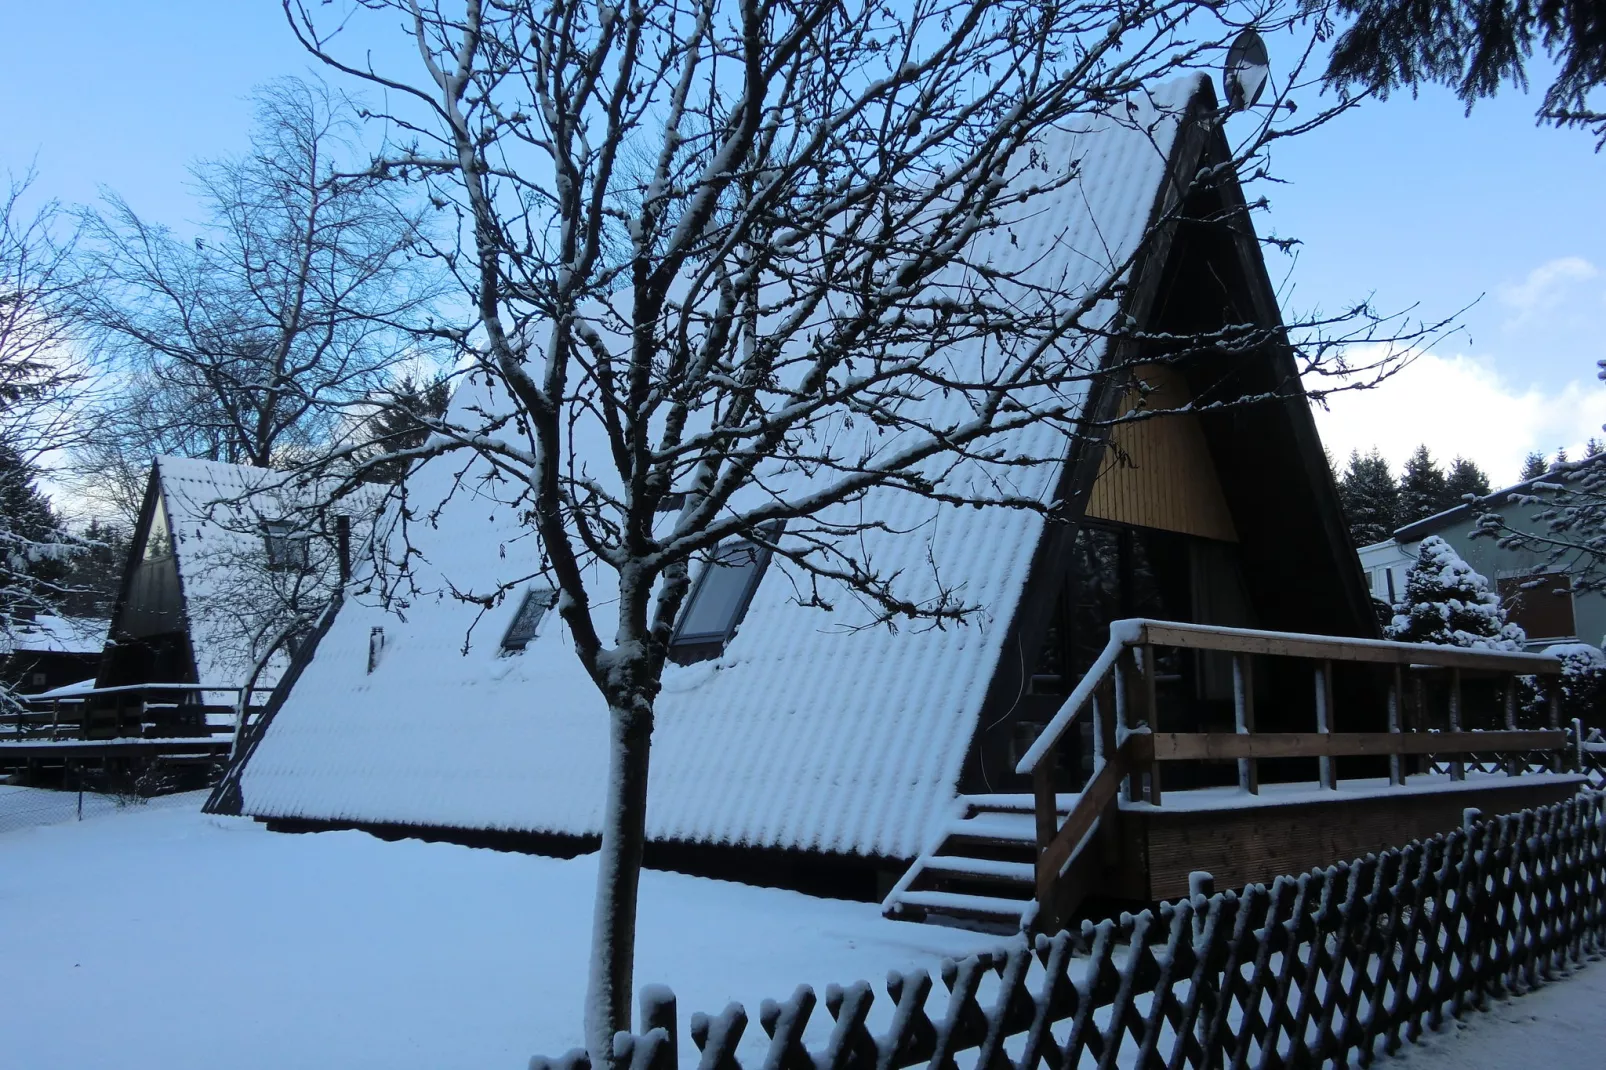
(49, 634)
(216, 515)
(1558, 474)
(806, 733)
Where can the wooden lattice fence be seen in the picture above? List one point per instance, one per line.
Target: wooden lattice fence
(1334, 965)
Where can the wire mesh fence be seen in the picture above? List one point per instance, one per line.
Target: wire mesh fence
(22, 808)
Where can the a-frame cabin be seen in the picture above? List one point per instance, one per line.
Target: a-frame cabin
(831, 757)
(221, 556)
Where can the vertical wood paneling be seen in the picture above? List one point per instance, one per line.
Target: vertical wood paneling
(1158, 473)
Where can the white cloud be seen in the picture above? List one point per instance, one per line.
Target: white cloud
(1460, 406)
(1546, 287)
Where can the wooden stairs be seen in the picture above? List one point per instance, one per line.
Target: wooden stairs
(981, 870)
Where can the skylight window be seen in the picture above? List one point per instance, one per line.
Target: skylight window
(719, 599)
(527, 621)
(286, 547)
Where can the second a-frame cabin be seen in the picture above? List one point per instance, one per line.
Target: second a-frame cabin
(228, 567)
(790, 749)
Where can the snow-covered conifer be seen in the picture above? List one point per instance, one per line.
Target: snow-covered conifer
(1583, 686)
(1449, 604)
(1465, 477)
(1370, 498)
(1423, 490)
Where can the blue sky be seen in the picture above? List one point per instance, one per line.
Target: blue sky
(1407, 201)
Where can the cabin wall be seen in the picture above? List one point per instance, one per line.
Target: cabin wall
(1157, 472)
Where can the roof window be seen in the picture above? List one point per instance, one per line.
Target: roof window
(286, 547)
(720, 597)
(527, 621)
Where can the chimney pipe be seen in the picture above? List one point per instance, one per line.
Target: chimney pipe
(343, 542)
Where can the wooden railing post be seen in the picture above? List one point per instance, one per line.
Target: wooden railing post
(1151, 711)
(1326, 766)
(1514, 762)
(1125, 685)
(1458, 767)
(1396, 697)
(1553, 719)
(1047, 826)
(1243, 708)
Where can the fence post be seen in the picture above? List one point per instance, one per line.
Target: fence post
(1201, 886)
(658, 1012)
(1243, 708)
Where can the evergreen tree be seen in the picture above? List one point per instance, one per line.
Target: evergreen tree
(401, 423)
(1561, 459)
(1449, 604)
(1593, 447)
(1423, 489)
(34, 548)
(95, 577)
(1474, 47)
(1465, 477)
(1369, 497)
(1534, 465)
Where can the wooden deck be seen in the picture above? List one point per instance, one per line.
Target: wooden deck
(1035, 860)
(1291, 828)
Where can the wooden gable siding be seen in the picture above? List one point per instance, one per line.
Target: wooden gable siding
(1158, 473)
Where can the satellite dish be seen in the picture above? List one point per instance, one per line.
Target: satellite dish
(1247, 69)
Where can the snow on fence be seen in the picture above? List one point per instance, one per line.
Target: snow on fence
(1345, 961)
(1591, 758)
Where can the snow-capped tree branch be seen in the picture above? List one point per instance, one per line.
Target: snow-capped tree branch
(747, 263)
(42, 389)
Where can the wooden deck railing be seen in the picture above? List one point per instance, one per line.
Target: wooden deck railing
(1120, 687)
(127, 710)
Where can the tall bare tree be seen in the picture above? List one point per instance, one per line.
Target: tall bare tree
(303, 290)
(42, 388)
(735, 258)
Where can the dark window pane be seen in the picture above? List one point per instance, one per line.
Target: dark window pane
(537, 600)
(286, 547)
(720, 593)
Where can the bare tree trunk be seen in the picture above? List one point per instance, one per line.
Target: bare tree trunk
(624, 835)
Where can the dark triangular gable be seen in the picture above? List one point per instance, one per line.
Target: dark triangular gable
(1267, 456)
(147, 588)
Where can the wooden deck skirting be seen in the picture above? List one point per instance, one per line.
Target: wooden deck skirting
(1343, 963)
(1119, 690)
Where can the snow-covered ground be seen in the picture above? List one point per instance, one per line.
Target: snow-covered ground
(1557, 1027)
(160, 937)
(155, 936)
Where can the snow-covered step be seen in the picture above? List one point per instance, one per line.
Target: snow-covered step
(994, 827)
(1016, 802)
(977, 906)
(991, 869)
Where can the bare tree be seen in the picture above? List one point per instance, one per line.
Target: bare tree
(42, 386)
(1557, 520)
(736, 258)
(304, 289)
